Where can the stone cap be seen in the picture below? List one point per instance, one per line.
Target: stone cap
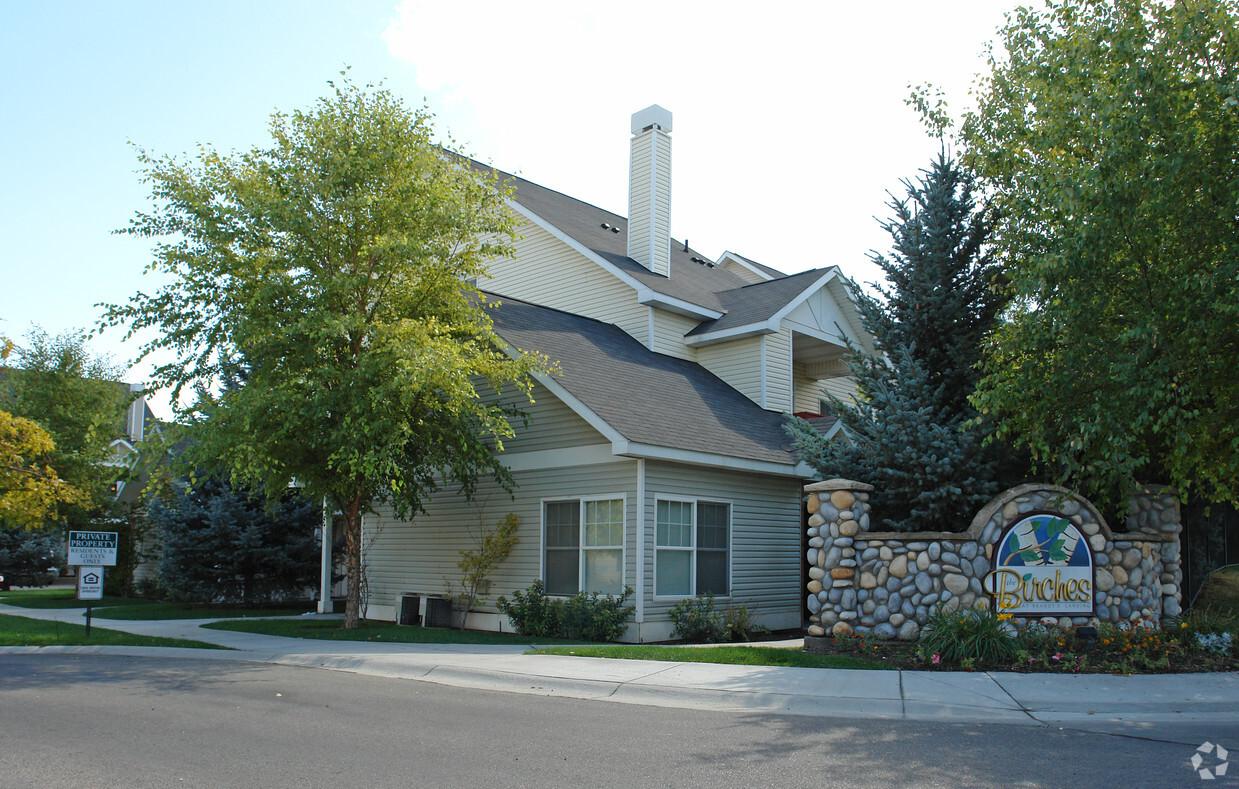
(837, 484)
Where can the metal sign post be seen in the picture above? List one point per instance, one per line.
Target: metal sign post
(89, 588)
(91, 551)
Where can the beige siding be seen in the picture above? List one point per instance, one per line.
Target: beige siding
(420, 555)
(738, 363)
(669, 331)
(843, 388)
(779, 371)
(743, 272)
(810, 391)
(550, 425)
(547, 271)
(765, 539)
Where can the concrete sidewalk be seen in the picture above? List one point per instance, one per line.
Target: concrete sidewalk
(981, 697)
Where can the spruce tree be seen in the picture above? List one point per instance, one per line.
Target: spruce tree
(911, 432)
(235, 545)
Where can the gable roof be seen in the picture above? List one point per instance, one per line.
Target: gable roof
(760, 301)
(760, 269)
(693, 279)
(649, 404)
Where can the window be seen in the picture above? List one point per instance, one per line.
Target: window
(583, 546)
(692, 540)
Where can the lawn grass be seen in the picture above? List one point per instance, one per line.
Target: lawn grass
(61, 597)
(131, 608)
(1220, 591)
(732, 655)
(331, 630)
(18, 631)
(195, 611)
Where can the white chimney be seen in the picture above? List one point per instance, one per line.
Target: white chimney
(649, 190)
(137, 413)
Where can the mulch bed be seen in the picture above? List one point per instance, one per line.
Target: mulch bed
(1097, 660)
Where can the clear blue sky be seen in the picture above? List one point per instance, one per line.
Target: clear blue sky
(790, 125)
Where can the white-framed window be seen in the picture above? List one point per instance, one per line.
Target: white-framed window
(692, 548)
(583, 546)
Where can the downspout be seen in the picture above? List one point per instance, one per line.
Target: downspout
(640, 614)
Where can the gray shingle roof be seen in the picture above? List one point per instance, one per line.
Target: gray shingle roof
(759, 301)
(649, 398)
(690, 281)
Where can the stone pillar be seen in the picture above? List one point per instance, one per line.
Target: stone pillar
(1155, 511)
(838, 511)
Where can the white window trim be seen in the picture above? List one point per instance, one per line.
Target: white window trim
(692, 583)
(581, 501)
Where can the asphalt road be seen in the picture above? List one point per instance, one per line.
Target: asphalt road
(96, 721)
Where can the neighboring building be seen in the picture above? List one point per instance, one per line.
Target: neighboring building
(656, 458)
(138, 451)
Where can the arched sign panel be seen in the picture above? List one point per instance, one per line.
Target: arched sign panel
(1043, 566)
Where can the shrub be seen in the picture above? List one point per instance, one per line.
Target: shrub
(738, 624)
(595, 617)
(697, 619)
(977, 635)
(585, 617)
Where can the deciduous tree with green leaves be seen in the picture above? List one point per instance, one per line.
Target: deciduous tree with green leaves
(1105, 134)
(78, 406)
(335, 264)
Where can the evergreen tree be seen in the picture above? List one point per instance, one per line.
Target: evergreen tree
(30, 558)
(221, 544)
(911, 432)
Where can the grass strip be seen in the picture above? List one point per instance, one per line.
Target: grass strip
(132, 608)
(192, 611)
(18, 631)
(62, 598)
(731, 655)
(332, 630)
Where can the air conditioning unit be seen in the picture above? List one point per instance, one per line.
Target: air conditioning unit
(438, 612)
(410, 609)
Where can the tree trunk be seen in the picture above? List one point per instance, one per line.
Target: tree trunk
(352, 550)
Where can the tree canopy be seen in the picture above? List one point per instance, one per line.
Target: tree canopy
(335, 265)
(911, 431)
(1105, 135)
(63, 409)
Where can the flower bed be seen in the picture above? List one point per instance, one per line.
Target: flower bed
(977, 640)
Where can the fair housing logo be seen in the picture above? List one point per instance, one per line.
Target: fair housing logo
(1218, 769)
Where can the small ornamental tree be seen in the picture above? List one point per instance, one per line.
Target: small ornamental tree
(221, 544)
(492, 544)
(336, 265)
(910, 430)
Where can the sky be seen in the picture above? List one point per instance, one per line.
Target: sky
(790, 122)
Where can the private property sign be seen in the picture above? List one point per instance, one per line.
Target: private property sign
(94, 548)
